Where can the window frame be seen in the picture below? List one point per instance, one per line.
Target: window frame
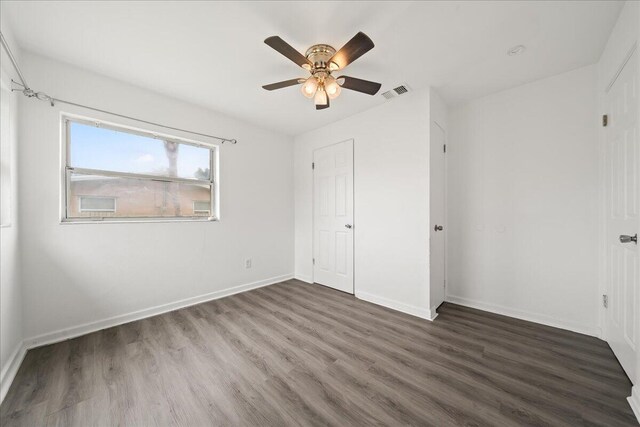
(67, 170)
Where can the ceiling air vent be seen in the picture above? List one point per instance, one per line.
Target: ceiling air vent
(400, 90)
(389, 94)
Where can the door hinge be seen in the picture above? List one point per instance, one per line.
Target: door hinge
(605, 120)
(444, 148)
(605, 301)
(314, 261)
(313, 165)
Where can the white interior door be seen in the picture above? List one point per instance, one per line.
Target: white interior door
(437, 213)
(622, 219)
(333, 216)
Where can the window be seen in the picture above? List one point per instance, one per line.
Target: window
(113, 172)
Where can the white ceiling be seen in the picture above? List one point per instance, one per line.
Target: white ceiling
(212, 53)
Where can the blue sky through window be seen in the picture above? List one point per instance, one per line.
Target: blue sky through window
(99, 148)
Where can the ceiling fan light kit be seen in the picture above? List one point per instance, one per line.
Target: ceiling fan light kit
(310, 87)
(332, 87)
(321, 99)
(320, 61)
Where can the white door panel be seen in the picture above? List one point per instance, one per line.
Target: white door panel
(622, 198)
(333, 216)
(437, 213)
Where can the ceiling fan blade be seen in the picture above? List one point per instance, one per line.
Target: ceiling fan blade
(280, 85)
(285, 49)
(322, 107)
(359, 85)
(354, 49)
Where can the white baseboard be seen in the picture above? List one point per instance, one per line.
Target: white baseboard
(634, 400)
(524, 315)
(434, 312)
(303, 278)
(76, 331)
(10, 369)
(423, 313)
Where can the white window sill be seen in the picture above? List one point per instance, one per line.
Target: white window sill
(137, 221)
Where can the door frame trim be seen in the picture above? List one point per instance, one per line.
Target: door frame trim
(313, 210)
(626, 59)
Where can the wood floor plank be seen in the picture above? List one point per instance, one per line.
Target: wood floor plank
(525, 349)
(300, 354)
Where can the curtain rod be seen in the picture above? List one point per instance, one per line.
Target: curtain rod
(13, 60)
(30, 93)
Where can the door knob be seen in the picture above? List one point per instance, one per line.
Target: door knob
(348, 225)
(437, 228)
(626, 239)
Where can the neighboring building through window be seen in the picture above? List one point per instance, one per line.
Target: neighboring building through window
(201, 207)
(97, 204)
(118, 173)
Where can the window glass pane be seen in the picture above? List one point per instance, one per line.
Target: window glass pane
(105, 149)
(201, 207)
(97, 204)
(134, 198)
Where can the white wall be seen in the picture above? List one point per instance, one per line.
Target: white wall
(391, 158)
(523, 202)
(10, 289)
(623, 38)
(438, 110)
(11, 331)
(78, 275)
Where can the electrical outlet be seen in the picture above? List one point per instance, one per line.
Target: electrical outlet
(247, 263)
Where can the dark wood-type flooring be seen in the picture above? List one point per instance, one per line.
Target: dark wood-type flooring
(299, 354)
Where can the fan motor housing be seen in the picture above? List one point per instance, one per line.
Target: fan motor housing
(319, 55)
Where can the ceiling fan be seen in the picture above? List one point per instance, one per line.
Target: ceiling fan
(321, 60)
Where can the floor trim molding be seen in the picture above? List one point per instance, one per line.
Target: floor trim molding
(423, 313)
(11, 369)
(434, 312)
(634, 401)
(76, 331)
(303, 278)
(523, 315)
